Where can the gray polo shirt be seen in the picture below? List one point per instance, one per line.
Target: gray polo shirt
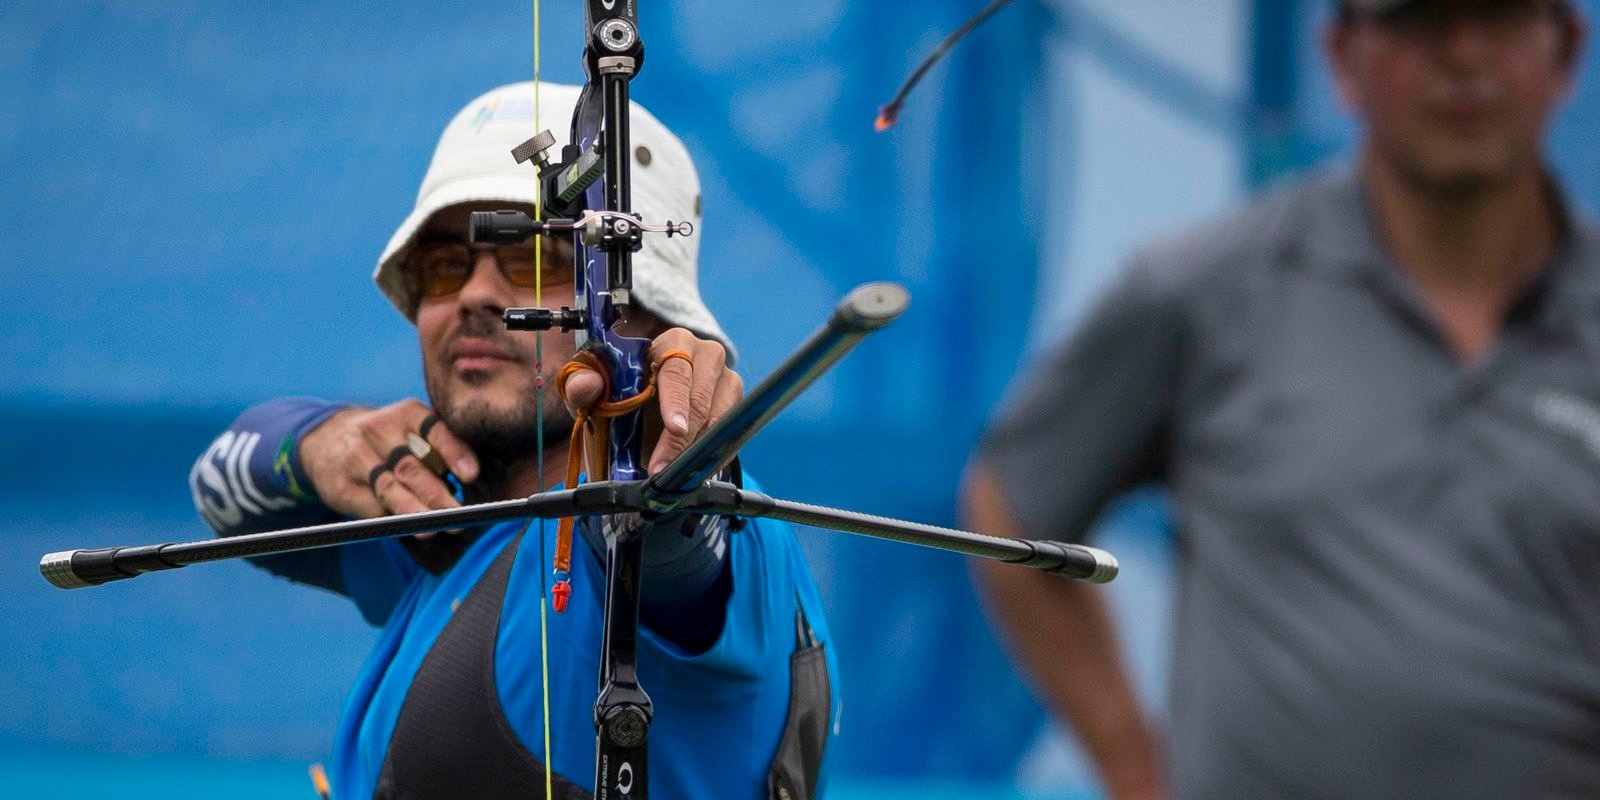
(1389, 579)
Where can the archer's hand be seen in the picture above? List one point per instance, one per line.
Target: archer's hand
(342, 453)
(688, 399)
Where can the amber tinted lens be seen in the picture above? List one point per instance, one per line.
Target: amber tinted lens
(519, 267)
(441, 268)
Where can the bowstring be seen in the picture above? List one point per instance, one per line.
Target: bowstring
(538, 416)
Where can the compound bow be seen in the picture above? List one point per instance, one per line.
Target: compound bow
(586, 194)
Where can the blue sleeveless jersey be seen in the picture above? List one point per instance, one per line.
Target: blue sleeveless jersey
(718, 714)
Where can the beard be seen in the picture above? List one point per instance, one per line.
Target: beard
(1457, 165)
(504, 438)
(1463, 178)
(501, 438)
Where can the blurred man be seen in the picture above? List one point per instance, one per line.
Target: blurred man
(449, 703)
(1375, 397)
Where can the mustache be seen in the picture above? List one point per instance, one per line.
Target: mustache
(1473, 88)
(481, 325)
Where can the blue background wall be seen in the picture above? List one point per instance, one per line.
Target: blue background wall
(193, 195)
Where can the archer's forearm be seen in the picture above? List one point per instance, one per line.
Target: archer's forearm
(1062, 637)
(249, 480)
(686, 567)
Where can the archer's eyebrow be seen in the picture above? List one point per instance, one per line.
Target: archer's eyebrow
(442, 238)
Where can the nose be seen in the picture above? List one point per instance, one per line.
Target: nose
(1463, 39)
(486, 288)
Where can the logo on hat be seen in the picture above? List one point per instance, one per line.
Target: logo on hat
(502, 109)
(484, 114)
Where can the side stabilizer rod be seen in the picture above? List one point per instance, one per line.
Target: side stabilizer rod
(1072, 560)
(75, 569)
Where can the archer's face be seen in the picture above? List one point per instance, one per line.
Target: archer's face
(481, 377)
(1456, 94)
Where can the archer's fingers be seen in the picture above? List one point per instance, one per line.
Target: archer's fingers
(729, 391)
(403, 484)
(674, 392)
(423, 484)
(354, 495)
(414, 477)
(670, 445)
(674, 385)
(583, 389)
(685, 389)
(386, 427)
(360, 502)
(710, 369)
(456, 453)
(729, 388)
(395, 496)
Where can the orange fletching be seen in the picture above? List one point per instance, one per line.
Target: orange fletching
(319, 781)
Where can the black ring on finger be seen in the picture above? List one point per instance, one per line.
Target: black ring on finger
(372, 477)
(427, 425)
(399, 452)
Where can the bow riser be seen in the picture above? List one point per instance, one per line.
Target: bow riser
(623, 711)
(605, 268)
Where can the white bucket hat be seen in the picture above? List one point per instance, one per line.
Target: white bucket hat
(473, 163)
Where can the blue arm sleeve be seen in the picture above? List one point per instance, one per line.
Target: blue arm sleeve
(249, 480)
(688, 575)
(686, 568)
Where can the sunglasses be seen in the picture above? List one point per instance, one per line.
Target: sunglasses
(441, 267)
(1429, 20)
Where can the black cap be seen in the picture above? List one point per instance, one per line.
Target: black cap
(1375, 7)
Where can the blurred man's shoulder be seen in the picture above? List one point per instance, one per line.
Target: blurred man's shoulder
(1254, 238)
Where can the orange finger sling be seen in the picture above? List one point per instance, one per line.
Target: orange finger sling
(585, 429)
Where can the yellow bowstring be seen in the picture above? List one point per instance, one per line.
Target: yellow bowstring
(538, 401)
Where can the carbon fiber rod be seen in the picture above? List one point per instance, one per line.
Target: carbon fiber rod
(1072, 560)
(75, 569)
(865, 309)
